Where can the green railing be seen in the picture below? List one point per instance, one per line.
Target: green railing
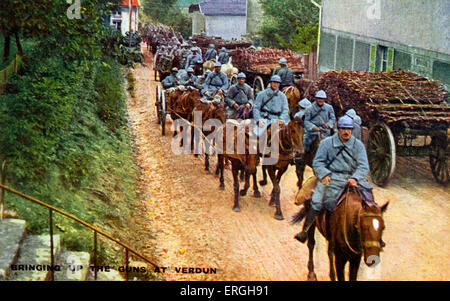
(52, 209)
(6, 73)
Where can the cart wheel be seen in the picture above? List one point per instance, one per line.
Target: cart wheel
(438, 159)
(158, 103)
(258, 85)
(163, 114)
(381, 153)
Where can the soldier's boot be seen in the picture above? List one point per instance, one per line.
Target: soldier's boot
(309, 220)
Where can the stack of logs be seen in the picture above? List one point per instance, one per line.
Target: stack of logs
(203, 42)
(265, 60)
(393, 97)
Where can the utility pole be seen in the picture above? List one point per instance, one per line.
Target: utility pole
(320, 26)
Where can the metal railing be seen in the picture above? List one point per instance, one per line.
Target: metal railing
(85, 224)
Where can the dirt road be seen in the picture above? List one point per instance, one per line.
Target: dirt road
(192, 223)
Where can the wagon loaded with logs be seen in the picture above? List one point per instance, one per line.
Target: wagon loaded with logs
(259, 64)
(406, 114)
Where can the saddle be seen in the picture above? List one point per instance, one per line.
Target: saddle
(365, 193)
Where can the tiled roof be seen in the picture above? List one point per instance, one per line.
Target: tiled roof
(224, 7)
(127, 3)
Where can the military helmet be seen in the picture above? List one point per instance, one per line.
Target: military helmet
(345, 122)
(304, 103)
(190, 69)
(241, 75)
(282, 61)
(174, 69)
(217, 64)
(275, 78)
(351, 113)
(321, 94)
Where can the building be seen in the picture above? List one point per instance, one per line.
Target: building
(386, 35)
(120, 18)
(228, 19)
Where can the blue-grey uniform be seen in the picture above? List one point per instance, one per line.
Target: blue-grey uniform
(304, 104)
(356, 123)
(238, 94)
(210, 54)
(224, 57)
(316, 116)
(215, 81)
(170, 81)
(189, 79)
(351, 162)
(276, 107)
(192, 59)
(285, 73)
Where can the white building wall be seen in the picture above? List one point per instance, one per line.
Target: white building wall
(126, 19)
(227, 27)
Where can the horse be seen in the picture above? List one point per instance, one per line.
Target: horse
(304, 160)
(209, 110)
(182, 103)
(290, 141)
(247, 159)
(353, 229)
(293, 95)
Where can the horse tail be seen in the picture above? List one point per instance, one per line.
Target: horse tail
(298, 217)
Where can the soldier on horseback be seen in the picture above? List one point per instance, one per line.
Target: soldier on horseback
(357, 123)
(340, 160)
(189, 79)
(239, 99)
(285, 73)
(319, 120)
(303, 105)
(211, 53)
(215, 83)
(224, 58)
(270, 104)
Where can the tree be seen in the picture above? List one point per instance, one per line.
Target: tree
(282, 16)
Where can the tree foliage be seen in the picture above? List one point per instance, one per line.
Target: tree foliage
(286, 23)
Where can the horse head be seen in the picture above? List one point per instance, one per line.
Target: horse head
(295, 132)
(371, 226)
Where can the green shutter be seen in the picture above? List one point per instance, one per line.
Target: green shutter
(390, 59)
(372, 57)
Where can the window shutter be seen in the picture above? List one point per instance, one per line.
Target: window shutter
(390, 59)
(372, 57)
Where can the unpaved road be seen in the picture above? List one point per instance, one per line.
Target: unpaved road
(192, 224)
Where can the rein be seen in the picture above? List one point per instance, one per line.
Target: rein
(366, 244)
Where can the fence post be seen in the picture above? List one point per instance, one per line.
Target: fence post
(95, 255)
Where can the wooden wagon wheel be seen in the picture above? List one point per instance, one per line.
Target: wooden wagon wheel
(381, 153)
(439, 149)
(154, 67)
(163, 113)
(258, 85)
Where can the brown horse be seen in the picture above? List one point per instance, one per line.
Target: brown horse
(293, 96)
(290, 141)
(353, 229)
(209, 111)
(304, 160)
(246, 159)
(182, 103)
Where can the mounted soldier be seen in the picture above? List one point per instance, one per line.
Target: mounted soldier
(211, 53)
(270, 104)
(340, 160)
(171, 80)
(215, 83)
(303, 105)
(319, 120)
(239, 99)
(224, 57)
(285, 73)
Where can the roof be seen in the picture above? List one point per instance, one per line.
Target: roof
(127, 3)
(221, 7)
